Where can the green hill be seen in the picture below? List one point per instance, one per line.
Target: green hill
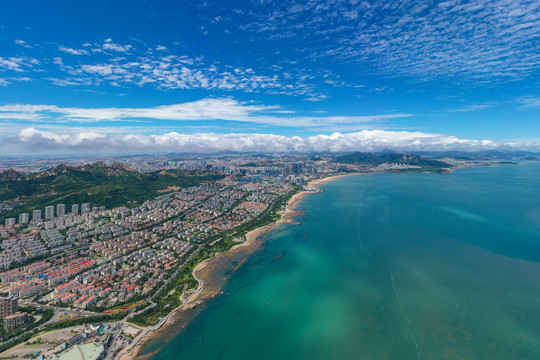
(370, 159)
(97, 183)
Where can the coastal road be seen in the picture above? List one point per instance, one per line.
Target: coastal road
(57, 311)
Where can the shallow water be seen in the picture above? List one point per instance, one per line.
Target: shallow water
(388, 266)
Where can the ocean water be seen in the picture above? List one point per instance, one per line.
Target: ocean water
(388, 266)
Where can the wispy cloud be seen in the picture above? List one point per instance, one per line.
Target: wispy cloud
(529, 102)
(227, 109)
(474, 107)
(481, 41)
(73, 51)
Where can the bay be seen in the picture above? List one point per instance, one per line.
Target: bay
(388, 266)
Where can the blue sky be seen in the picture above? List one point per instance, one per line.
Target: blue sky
(162, 75)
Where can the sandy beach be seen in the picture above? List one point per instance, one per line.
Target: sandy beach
(210, 285)
(317, 182)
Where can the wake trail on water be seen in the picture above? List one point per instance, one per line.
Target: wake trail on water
(402, 308)
(362, 246)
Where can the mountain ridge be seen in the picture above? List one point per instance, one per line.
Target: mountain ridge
(97, 183)
(373, 159)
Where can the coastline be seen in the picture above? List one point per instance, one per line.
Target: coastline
(205, 270)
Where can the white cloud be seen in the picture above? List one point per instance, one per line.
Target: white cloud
(34, 140)
(110, 45)
(10, 64)
(17, 64)
(23, 43)
(102, 70)
(71, 81)
(158, 68)
(20, 78)
(21, 116)
(381, 89)
(226, 109)
(73, 51)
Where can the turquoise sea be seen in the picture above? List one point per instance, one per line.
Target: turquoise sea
(388, 266)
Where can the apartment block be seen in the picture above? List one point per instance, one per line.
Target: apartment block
(24, 218)
(60, 209)
(85, 207)
(15, 320)
(49, 212)
(36, 215)
(8, 306)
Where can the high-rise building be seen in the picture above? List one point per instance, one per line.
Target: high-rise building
(10, 221)
(297, 168)
(75, 208)
(8, 306)
(49, 212)
(36, 215)
(60, 209)
(24, 218)
(85, 207)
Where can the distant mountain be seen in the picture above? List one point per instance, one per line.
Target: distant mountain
(371, 159)
(98, 184)
(488, 155)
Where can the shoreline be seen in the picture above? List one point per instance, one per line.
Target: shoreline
(205, 269)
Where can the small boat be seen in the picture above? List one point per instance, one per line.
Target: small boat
(279, 256)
